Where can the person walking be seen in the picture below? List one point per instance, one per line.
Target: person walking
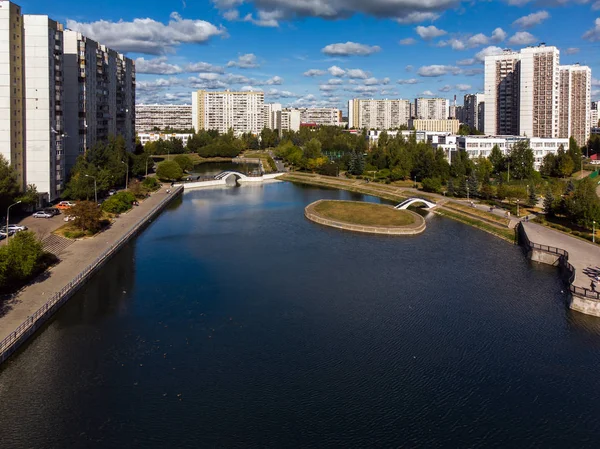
(593, 286)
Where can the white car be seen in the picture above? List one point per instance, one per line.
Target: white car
(70, 218)
(42, 214)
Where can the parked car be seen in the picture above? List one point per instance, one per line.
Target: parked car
(12, 229)
(63, 205)
(70, 218)
(52, 210)
(42, 214)
(111, 192)
(2, 236)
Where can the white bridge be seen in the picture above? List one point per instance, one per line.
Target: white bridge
(409, 202)
(229, 178)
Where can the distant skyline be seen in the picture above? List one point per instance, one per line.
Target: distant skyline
(322, 53)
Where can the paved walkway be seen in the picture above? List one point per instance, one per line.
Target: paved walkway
(584, 256)
(74, 258)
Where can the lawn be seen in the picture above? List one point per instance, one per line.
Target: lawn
(366, 214)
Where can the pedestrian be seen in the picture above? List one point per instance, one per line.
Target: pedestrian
(593, 286)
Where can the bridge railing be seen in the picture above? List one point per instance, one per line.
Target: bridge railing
(564, 261)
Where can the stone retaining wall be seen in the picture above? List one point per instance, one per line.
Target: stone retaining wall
(414, 229)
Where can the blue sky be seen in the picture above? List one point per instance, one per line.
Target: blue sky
(324, 52)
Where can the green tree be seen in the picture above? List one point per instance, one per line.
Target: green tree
(450, 187)
(184, 162)
(532, 195)
(574, 153)
(497, 159)
(483, 169)
(357, 163)
(433, 185)
(549, 200)
(30, 196)
(169, 171)
(501, 192)
(9, 188)
(312, 149)
(473, 185)
(486, 191)
(564, 163)
(521, 158)
(19, 259)
(583, 205)
(461, 191)
(549, 165)
(88, 216)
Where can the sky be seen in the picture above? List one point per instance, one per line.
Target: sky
(325, 52)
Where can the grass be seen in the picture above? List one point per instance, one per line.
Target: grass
(474, 211)
(265, 157)
(366, 214)
(196, 160)
(503, 233)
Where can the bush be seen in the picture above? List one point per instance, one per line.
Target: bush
(433, 185)
(88, 216)
(184, 162)
(169, 171)
(119, 203)
(151, 183)
(20, 260)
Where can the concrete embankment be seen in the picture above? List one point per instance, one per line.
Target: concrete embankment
(29, 309)
(576, 259)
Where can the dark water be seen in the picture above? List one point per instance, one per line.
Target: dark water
(214, 168)
(234, 322)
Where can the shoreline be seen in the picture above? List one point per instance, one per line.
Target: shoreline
(30, 308)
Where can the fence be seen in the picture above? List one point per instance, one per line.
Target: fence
(39, 317)
(564, 263)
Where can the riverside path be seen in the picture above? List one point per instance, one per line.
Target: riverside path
(73, 259)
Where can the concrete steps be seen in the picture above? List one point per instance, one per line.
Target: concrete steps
(56, 245)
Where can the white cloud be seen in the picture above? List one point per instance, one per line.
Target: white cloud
(156, 66)
(472, 72)
(231, 15)
(159, 83)
(446, 88)
(206, 81)
(269, 19)
(328, 87)
(275, 81)
(201, 67)
(314, 72)
(596, 6)
(430, 32)
(409, 81)
(477, 40)
(427, 93)
(350, 49)
(376, 82)
(595, 82)
(336, 71)
(249, 89)
(365, 89)
(409, 68)
(407, 41)
(247, 61)
(571, 51)
(464, 62)
(531, 20)
(276, 94)
(417, 17)
(522, 38)
(147, 35)
(498, 35)
(488, 51)
(357, 74)
(593, 34)
(437, 70)
(463, 87)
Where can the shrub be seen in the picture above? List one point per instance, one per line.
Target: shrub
(169, 171)
(88, 216)
(433, 185)
(151, 183)
(20, 260)
(184, 162)
(119, 203)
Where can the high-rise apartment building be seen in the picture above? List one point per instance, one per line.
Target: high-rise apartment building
(287, 120)
(12, 85)
(99, 95)
(594, 115)
(270, 115)
(539, 90)
(474, 111)
(502, 90)
(575, 102)
(163, 116)
(378, 114)
(443, 126)
(432, 108)
(241, 111)
(321, 116)
(44, 105)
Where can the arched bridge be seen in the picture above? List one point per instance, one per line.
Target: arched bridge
(409, 202)
(222, 178)
(226, 174)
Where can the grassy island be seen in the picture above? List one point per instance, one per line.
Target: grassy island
(365, 217)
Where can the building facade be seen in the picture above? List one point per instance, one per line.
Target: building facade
(99, 95)
(270, 111)
(501, 102)
(441, 126)
(321, 116)
(287, 120)
(44, 106)
(12, 89)
(163, 116)
(474, 111)
(154, 137)
(575, 102)
(594, 117)
(432, 108)
(378, 114)
(243, 112)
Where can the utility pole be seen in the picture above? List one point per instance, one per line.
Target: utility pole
(95, 190)
(508, 171)
(7, 218)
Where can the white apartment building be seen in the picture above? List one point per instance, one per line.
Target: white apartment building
(99, 95)
(432, 108)
(474, 111)
(594, 114)
(270, 115)
(163, 116)
(12, 87)
(321, 116)
(378, 114)
(501, 102)
(287, 120)
(154, 137)
(441, 126)
(481, 146)
(575, 102)
(241, 111)
(44, 124)
(539, 92)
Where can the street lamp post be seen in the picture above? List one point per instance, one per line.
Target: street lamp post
(467, 193)
(517, 208)
(126, 174)
(594, 231)
(95, 190)
(7, 217)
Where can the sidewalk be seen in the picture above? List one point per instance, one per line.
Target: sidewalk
(584, 256)
(73, 259)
